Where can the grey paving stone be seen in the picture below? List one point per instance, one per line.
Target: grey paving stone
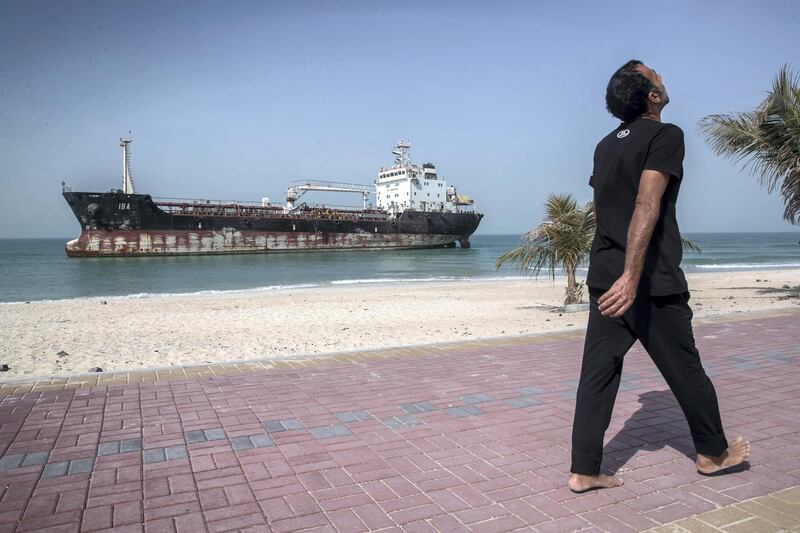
(476, 398)
(530, 390)
(261, 441)
(321, 432)
(522, 402)
(569, 393)
(55, 469)
(339, 430)
(418, 407)
(353, 416)
(273, 426)
(130, 445)
(396, 422)
(12, 461)
(626, 386)
(393, 423)
(408, 420)
(215, 434)
(193, 437)
(36, 458)
(176, 452)
(80, 466)
(467, 410)
(291, 423)
(241, 443)
(154, 455)
(747, 366)
(326, 432)
(108, 448)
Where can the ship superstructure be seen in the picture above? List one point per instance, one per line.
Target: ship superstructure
(418, 188)
(414, 209)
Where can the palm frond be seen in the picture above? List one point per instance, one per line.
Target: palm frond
(562, 240)
(690, 246)
(765, 140)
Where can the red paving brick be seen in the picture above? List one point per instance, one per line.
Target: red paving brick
(502, 469)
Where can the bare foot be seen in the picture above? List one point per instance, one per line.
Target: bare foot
(582, 483)
(738, 450)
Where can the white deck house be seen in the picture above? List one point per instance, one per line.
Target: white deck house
(418, 188)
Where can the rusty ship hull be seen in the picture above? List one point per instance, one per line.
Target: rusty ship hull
(118, 224)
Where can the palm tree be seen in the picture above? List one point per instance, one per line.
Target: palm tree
(563, 240)
(766, 139)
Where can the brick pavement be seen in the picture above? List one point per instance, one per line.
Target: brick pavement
(465, 437)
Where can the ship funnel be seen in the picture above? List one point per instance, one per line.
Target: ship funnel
(127, 178)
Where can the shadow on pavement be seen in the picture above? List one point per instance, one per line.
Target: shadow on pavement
(642, 431)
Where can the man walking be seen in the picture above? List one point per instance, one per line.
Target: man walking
(637, 289)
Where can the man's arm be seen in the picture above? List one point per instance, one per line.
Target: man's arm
(621, 295)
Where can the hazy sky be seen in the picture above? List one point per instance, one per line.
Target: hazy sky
(234, 99)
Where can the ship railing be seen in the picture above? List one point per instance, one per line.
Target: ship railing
(194, 201)
(200, 208)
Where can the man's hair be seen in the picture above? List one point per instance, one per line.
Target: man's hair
(626, 95)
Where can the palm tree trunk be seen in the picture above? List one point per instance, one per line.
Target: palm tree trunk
(574, 289)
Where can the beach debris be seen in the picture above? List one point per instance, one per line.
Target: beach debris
(62, 353)
(4, 368)
(95, 369)
(27, 302)
(787, 286)
(103, 302)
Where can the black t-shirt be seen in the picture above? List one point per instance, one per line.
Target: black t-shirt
(619, 160)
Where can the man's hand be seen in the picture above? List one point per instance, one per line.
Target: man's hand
(619, 298)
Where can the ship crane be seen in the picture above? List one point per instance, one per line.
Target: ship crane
(299, 188)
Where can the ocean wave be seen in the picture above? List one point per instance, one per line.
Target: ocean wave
(212, 292)
(742, 266)
(417, 280)
(146, 295)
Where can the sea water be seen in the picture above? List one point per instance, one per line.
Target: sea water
(38, 269)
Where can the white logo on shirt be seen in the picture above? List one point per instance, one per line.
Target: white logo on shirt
(623, 133)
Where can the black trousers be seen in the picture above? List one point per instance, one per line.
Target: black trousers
(663, 324)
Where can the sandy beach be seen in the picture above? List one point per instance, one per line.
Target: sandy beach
(73, 336)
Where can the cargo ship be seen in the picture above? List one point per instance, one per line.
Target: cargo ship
(414, 208)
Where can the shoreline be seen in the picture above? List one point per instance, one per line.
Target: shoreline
(379, 282)
(195, 329)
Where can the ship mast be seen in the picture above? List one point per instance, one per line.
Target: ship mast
(400, 152)
(127, 178)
